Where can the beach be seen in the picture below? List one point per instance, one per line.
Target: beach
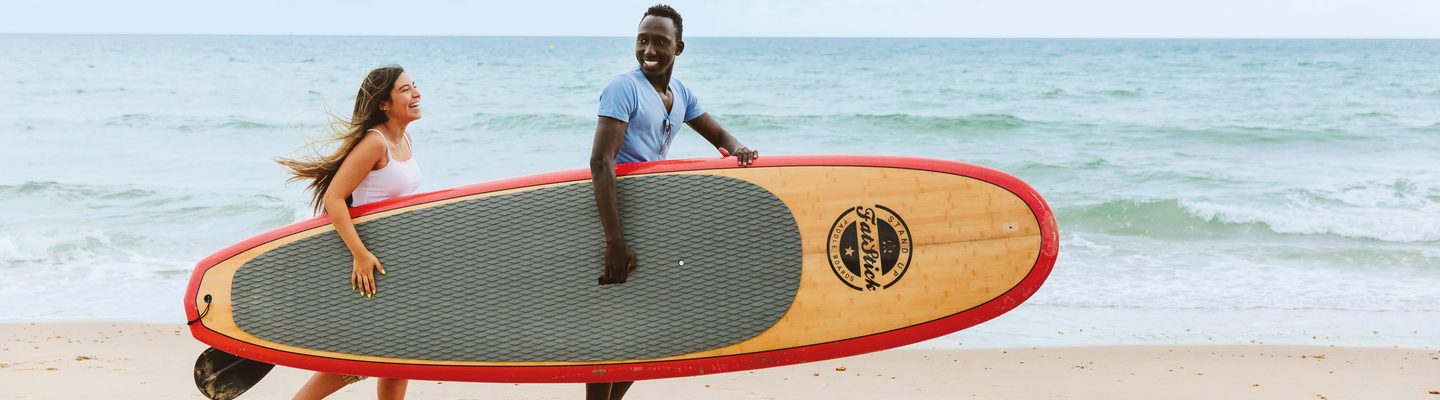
(79, 360)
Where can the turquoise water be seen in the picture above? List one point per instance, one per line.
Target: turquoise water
(1206, 190)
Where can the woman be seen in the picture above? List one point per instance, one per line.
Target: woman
(374, 162)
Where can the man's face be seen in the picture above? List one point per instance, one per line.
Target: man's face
(656, 45)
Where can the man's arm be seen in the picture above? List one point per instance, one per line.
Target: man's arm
(722, 140)
(619, 259)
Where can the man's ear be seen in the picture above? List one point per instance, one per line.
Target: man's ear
(679, 47)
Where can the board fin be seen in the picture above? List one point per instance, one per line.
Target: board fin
(224, 376)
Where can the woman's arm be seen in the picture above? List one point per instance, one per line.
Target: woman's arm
(361, 160)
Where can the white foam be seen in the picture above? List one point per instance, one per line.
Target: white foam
(1128, 272)
(1418, 220)
(129, 291)
(1077, 242)
(1400, 193)
(53, 246)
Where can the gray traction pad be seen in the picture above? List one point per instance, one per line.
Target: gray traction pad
(513, 278)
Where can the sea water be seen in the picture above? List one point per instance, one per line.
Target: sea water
(1207, 191)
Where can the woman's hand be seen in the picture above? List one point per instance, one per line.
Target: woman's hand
(362, 273)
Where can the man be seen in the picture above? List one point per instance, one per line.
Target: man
(640, 112)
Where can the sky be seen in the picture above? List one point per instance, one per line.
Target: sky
(740, 18)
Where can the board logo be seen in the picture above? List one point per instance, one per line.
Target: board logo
(869, 247)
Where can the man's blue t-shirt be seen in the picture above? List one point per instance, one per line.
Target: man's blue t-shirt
(631, 99)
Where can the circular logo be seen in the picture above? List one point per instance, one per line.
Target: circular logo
(869, 247)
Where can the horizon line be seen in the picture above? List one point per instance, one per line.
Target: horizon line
(1157, 37)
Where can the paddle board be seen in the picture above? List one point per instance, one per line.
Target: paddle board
(791, 260)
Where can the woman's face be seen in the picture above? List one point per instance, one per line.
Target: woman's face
(404, 103)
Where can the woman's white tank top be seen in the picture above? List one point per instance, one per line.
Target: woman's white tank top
(397, 178)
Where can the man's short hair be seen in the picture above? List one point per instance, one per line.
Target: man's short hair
(661, 10)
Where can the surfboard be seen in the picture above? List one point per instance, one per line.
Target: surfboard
(793, 259)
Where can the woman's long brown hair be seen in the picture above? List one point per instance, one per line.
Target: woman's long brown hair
(321, 169)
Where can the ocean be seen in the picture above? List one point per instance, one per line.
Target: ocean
(1207, 191)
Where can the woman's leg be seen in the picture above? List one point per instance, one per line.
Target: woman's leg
(320, 385)
(391, 389)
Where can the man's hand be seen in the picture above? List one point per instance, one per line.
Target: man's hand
(619, 261)
(744, 156)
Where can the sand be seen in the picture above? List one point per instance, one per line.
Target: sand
(102, 360)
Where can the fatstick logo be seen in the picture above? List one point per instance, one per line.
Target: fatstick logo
(869, 247)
